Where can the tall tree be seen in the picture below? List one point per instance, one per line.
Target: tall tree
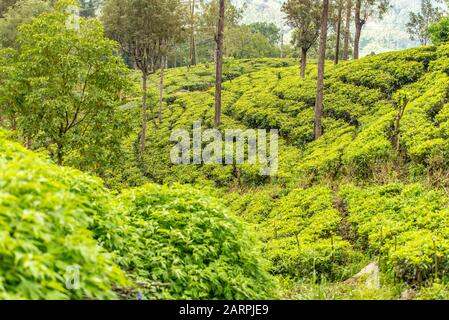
(420, 22)
(66, 89)
(22, 12)
(347, 30)
(269, 30)
(161, 86)
(219, 62)
(318, 129)
(305, 17)
(339, 7)
(365, 9)
(192, 53)
(5, 5)
(144, 28)
(207, 25)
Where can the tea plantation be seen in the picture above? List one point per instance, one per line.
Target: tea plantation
(375, 187)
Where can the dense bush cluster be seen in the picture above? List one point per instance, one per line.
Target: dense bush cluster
(177, 243)
(45, 216)
(172, 242)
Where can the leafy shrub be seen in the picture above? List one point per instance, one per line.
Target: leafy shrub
(177, 243)
(45, 216)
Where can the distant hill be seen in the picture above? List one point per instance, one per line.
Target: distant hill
(378, 36)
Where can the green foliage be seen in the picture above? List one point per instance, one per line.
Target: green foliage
(419, 23)
(245, 42)
(22, 12)
(45, 216)
(64, 88)
(300, 231)
(407, 225)
(180, 244)
(439, 31)
(174, 242)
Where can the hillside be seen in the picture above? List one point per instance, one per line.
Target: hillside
(374, 187)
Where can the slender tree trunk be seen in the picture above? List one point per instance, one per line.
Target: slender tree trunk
(318, 129)
(176, 59)
(219, 64)
(347, 30)
(161, 88)
(358, 29)
(192, 34)
(302, 71)
(282, 43)
(338, 35)
(59, 153)
(143, 135)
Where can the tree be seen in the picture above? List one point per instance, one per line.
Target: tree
(207, 28)
(245, 42)
(88, 8)
(219, 38)
(439, 31)
(144, 29)
(420, 22)
(318, 130)
(339, 8)
(22, 12)
(268, 30)
(305, 17)
(192, 53)
(347, 30)
(5, 5)
(365, 9)
(65, 87)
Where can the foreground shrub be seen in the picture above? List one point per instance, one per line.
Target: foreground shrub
(45, 215)
(177, 243)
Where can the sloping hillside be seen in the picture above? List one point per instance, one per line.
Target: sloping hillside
(374, 187)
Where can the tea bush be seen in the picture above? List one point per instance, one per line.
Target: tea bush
(406, 224)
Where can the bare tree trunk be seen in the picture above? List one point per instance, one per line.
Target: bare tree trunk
(219, 64)
(161, 88)
(302, 72)
(176, 59)
(347, 30)
(59, 153)
(282, 43)
(338, 35)
(143, 135)
(192, 34)
(358, 29)
(318, 129)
